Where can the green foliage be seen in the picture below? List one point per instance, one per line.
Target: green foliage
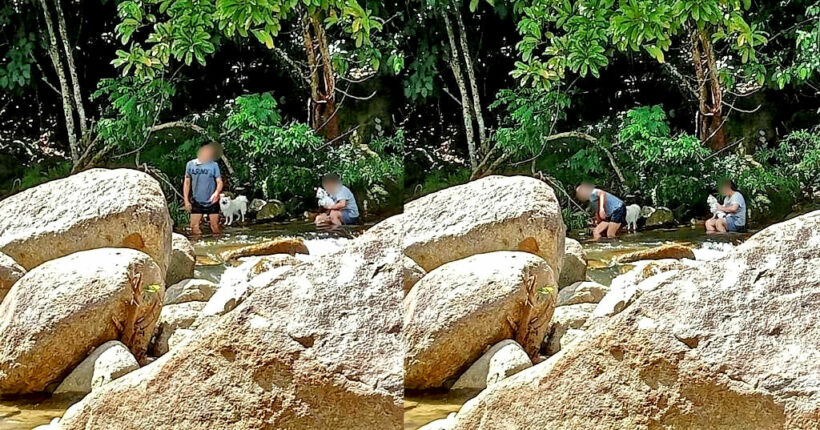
(440, 179)
(530, 116)
(798, 157)
(189, 31)
(802, 62)
(580, 37)
(15, 65)
(41, 173)
(132, 107)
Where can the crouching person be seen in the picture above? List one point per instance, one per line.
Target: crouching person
(734, 206)
(344, 210)
(609, 211)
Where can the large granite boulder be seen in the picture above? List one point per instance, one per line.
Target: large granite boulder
(733, 343)
(10, 272)
(317, 348)
(106, 363)
(573, 265)
(495, 213)
(61, 310)
(182, 260)
(97, 208)
(462, 307)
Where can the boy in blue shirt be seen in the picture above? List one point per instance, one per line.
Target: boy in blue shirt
(609, 211)
(344, 211)
(202, 187)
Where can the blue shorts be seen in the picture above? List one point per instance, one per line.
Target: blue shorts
(349, 220)
(731, 224)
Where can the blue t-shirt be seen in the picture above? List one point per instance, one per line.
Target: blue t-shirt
(350, 209)
(203, 179)
(738, 217)
(610, 205)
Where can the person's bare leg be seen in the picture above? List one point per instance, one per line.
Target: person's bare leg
(322, 220)
(336, 218)
(612, 229)
(213, 219)
(599, 229)
(196, 220)
(710, 225)
(722, 226)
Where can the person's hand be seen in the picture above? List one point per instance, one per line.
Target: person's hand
(214, 198)
(188, 206)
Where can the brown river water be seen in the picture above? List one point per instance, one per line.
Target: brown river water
(420, 408)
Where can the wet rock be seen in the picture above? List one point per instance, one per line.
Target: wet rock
(727, 344)
(564, 319)
(173, 318)
(669, 250)
(182, 261)
(660, 217)
(411, 274)
(574, 264)
(495, 213)
(62, 309)
(106, 363)
(442, 424)
(272, 210)
(503, 359)
(282, 245)
(10, 272)
(582, 292)
(97, 208)
(462, 307)
(256, 205)
(298, 353)
(190, 290)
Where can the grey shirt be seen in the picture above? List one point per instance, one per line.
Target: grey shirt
(738, 217)
(203, 180)
(610, 205)
(350, 209)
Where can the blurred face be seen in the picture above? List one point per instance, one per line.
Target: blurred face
(726, 190)
(206, 153)
(330, 186)
(583, 192)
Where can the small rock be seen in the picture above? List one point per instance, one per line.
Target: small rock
(190, 290)
(566, 318)
(173, 318)
(503, 359)
(271, 262)
(10, 272)
(256, 205)
(411, 273)
(271, 210)
(106, 363)
(182, 261)
(582, 292)
(574, 264)
(661, 216)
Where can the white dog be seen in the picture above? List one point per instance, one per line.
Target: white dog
(633, 212)
(324, 198)
(713, 207)
(232, 207)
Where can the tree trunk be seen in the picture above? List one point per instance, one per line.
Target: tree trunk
(710, 94)
(468, 62)
(466, 106)
(68, 109)
(72, 69)
(323, 111)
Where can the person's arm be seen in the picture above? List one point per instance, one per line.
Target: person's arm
(186, 190)
(338, 205)
(601, 205)
(731, 208)
(218, 191)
